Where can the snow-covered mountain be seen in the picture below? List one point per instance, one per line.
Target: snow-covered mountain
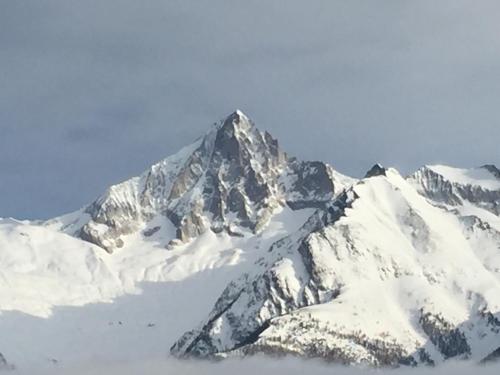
(234, 179)
(264, 253)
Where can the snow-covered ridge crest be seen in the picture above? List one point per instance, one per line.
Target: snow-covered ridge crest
(233, 179)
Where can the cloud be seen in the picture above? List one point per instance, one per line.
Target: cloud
(287, 366)
(94, 92)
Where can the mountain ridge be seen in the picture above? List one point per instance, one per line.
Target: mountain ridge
(225, 333)
(234, 170)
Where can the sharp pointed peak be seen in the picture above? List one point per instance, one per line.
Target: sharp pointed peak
(239, 112)
(236, 121)
(236, 117)
(376, 170)
(229, 123)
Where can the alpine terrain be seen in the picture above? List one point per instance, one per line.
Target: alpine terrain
(232, 247)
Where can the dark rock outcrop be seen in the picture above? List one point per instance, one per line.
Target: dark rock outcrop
(376, 170)
(450, 341)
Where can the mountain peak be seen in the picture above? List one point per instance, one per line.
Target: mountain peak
(240, 113)
(234, 132)
(236, 118)
(236, 138)
(376, 170)
(234, 179)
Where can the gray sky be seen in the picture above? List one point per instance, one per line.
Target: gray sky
(93, 92)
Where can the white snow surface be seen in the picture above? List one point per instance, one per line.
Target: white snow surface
(41, 268)
(65, 300)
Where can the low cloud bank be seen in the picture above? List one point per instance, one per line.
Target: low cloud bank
(252, 366)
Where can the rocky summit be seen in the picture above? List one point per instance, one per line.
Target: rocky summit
(232, 179)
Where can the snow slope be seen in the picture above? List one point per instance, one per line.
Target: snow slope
(42, 268)
(383, 278)
(62, 298)
(70, 272)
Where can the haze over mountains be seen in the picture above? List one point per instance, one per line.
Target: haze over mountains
(255, 252)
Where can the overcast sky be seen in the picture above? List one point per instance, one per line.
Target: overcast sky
(93, 92)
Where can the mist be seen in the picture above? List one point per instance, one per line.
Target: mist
(252, 366)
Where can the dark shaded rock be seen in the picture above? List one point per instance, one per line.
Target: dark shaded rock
(424, 357)
(450, 341)
(151, 231)
(376, 170)
(311, 186)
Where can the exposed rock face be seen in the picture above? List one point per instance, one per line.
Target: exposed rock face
(450, 341)
(235, 171)
(443, 189)
(379, 353)
(376, 170)
(348, 285)
(234, 177)
(247, 305)
(311, 184)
